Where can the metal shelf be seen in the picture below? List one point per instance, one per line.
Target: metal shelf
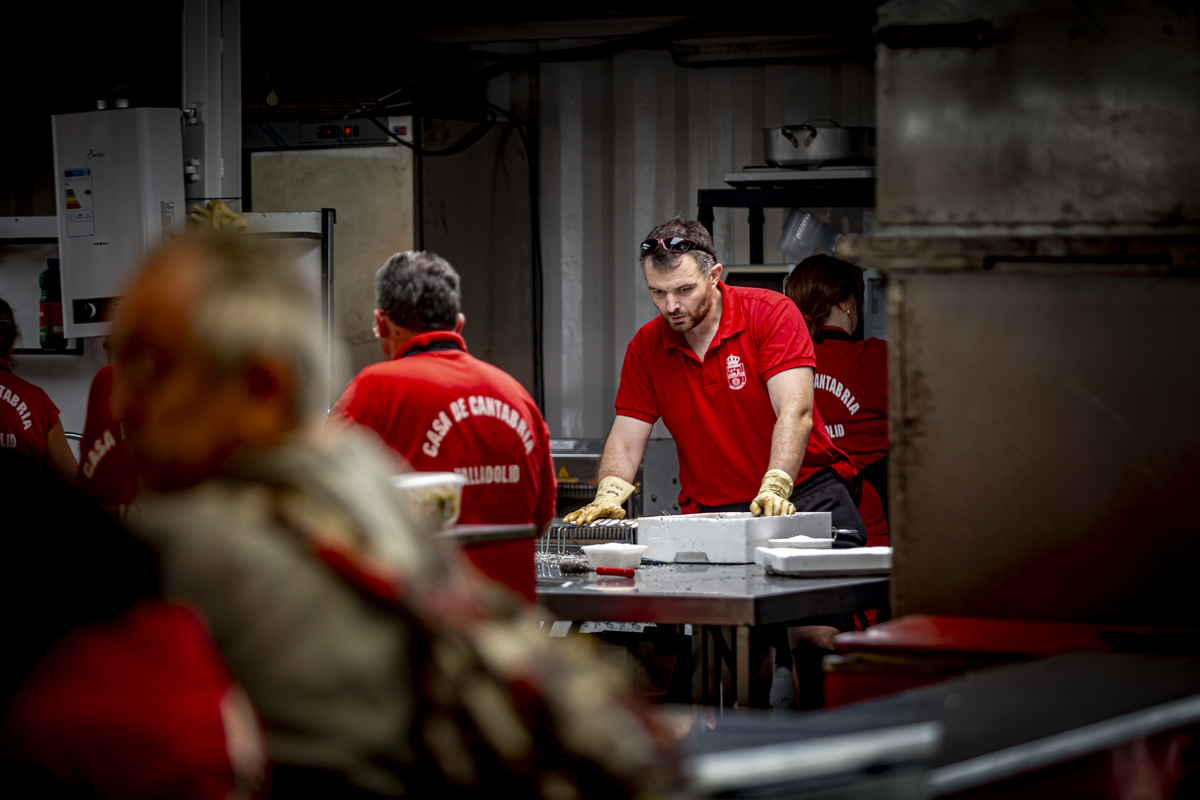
(849, 188)
(77, 350)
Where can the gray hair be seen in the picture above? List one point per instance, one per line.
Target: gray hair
(420, 291)
(705, 255)
(252, 303)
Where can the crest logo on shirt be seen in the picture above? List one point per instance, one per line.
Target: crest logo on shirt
(735, 371)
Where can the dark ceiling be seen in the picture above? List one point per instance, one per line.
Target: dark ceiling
(312, 63)
(319, 59)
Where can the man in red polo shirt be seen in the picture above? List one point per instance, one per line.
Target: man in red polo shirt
(729, 371)
(445, 410)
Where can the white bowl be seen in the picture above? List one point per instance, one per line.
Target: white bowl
(614, 554)
(433, 497)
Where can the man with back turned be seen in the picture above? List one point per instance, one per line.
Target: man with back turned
(443, 409)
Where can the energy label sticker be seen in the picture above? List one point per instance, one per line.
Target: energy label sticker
(78, 196)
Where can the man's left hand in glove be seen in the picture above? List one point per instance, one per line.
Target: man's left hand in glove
(218, 215)
(772, 499)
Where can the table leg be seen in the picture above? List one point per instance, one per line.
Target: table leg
(743, 670)
(723, 654)
(743, 655)
(884, 612)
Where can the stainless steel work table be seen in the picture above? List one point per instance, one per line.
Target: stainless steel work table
(740, 596)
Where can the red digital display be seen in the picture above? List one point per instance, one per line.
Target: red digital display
(337, 131)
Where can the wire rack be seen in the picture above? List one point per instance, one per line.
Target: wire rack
(558, 550)
(561, 538)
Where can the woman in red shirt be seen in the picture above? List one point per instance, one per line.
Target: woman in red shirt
(29, 424)
(850, 383)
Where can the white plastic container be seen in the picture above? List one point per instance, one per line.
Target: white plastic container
(432, 497)
(614, 554)
(724, 538)
(825, 563)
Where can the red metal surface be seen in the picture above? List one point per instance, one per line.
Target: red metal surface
(620, 572)
(843, 686)
(938, 634)
(919, 649)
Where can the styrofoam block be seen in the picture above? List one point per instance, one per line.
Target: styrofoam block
(822, 563)
(803, 542)
(724, 538)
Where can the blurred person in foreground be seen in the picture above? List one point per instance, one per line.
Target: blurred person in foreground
(375, 671)
(107, 691)
(444, 410)
(29, 423)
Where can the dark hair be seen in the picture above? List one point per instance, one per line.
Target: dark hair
(419, 291)
(706, 255)
(9, 332)
(820, 282)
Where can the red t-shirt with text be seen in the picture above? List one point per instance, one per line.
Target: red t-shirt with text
(718, 411)
(26, 416)
(851, 391)
(106, 471)
(446, 411)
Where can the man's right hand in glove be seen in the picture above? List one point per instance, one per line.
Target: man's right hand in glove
(610, 494)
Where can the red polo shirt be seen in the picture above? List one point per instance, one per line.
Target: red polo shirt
(26, 415)
(718, 410)
(851, 391)
(446, 411)
(106, 471)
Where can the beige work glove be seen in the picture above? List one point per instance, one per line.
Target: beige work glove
(772, 500)
(610, 494)
(218, 215)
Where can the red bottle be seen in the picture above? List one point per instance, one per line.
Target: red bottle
(50, 311)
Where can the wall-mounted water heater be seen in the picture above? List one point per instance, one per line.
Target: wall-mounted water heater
(120, 195)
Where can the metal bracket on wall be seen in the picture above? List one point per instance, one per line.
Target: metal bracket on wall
(833, 193)
(77, 350)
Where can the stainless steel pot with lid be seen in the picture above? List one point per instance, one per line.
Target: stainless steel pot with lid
(817, 142)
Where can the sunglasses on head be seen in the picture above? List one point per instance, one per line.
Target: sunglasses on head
(672, 244)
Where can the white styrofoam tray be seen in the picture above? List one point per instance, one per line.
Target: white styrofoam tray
(825, 563)
(724, 538)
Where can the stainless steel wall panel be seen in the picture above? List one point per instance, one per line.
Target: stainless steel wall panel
(1074, 121)
(595, 167)
(476, 214)
(625, 143)
(555, 342)
(1044, 443)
